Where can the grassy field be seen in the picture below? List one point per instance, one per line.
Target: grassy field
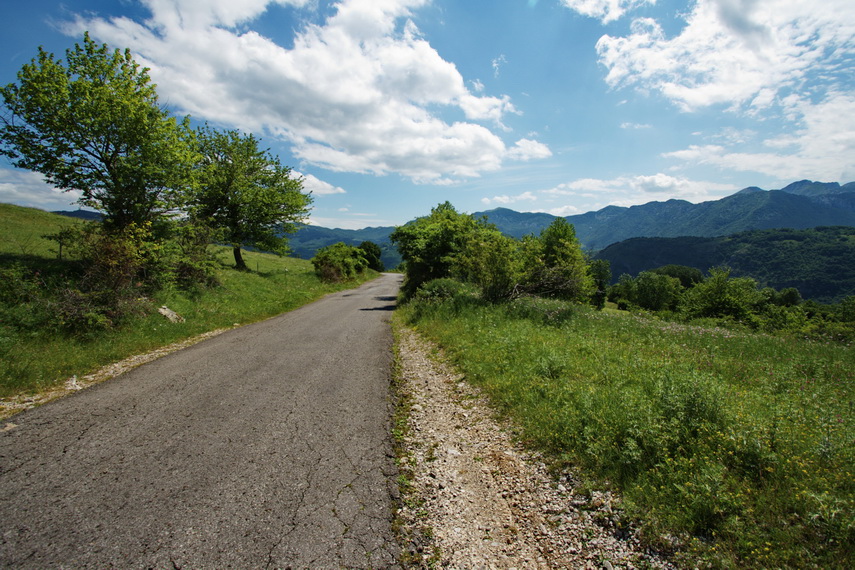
(734, 450)
(35, 360)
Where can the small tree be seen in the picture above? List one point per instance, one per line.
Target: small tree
(600, 271)
(624, 291)
(492, 261)
(372, 254)
(688, 276)
(93, 124)
(721, 295)
(657, 292)
(556, 266)
(246, 193)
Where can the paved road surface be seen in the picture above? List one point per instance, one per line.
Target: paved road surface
(267, 446)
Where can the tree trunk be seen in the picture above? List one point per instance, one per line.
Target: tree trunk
(240, 264)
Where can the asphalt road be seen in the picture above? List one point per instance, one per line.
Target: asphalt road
(265, 447)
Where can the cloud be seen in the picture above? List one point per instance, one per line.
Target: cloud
(27, 188)
(640, 189)
(783, 62)
(528, 149)
(497, 63)
(317, 186)
(635, 126)
(561, 211)
(741, 53)
(822, 147)
(506, 200)
(605, 10)
(359, 92)
(358, 222)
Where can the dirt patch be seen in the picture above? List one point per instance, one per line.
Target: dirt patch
(476, 499)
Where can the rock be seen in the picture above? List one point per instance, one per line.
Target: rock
(170, 314)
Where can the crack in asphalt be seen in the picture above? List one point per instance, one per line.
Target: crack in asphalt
(266, 446)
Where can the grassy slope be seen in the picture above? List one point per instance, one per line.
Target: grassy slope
(21, 231)
(274, 285)
(740, 445)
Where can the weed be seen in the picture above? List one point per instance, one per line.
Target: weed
(736, 448)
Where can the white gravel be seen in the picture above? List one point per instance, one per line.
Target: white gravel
(476, 499)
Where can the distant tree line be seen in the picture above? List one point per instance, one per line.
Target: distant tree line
(684, 293)
(92, 123)
(819, 262)
(449, 245)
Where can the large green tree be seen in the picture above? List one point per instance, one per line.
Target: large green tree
(431, 246)
(93, 124)
(246, 193)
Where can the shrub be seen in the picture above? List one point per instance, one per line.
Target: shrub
(339, 262)
(555, 265)
(493, 262)
(430, 246)
(657, 292)
(372, 253)
(193, 264)
(721, 296)
(439, 290)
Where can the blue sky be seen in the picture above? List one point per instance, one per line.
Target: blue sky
(389, 107)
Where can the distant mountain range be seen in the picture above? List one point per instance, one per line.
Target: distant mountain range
(800, 205)
(803, 204)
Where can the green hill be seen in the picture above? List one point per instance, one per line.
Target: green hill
(819, 262)
(22, 230)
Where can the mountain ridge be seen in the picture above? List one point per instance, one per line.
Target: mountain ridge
(799, 205)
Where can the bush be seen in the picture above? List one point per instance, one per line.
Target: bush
(193, 264)
(372, 253)
(339, 262)
(430, 246)
(721, 296)
(439, 290)
(555, 265)
(492, 261)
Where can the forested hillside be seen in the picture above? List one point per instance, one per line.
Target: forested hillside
(819, 262)
(310, 239)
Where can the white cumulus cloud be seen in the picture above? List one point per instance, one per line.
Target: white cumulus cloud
(528, 149)
(316, 186)
(28, 188)
(359, 92)
(604, 10)
(820, 147)
(786, 60)
(744, 53)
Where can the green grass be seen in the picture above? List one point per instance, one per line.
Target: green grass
(739, 448)
(35, 360)
(21, 231)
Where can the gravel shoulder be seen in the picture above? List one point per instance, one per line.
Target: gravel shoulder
(475, 499)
